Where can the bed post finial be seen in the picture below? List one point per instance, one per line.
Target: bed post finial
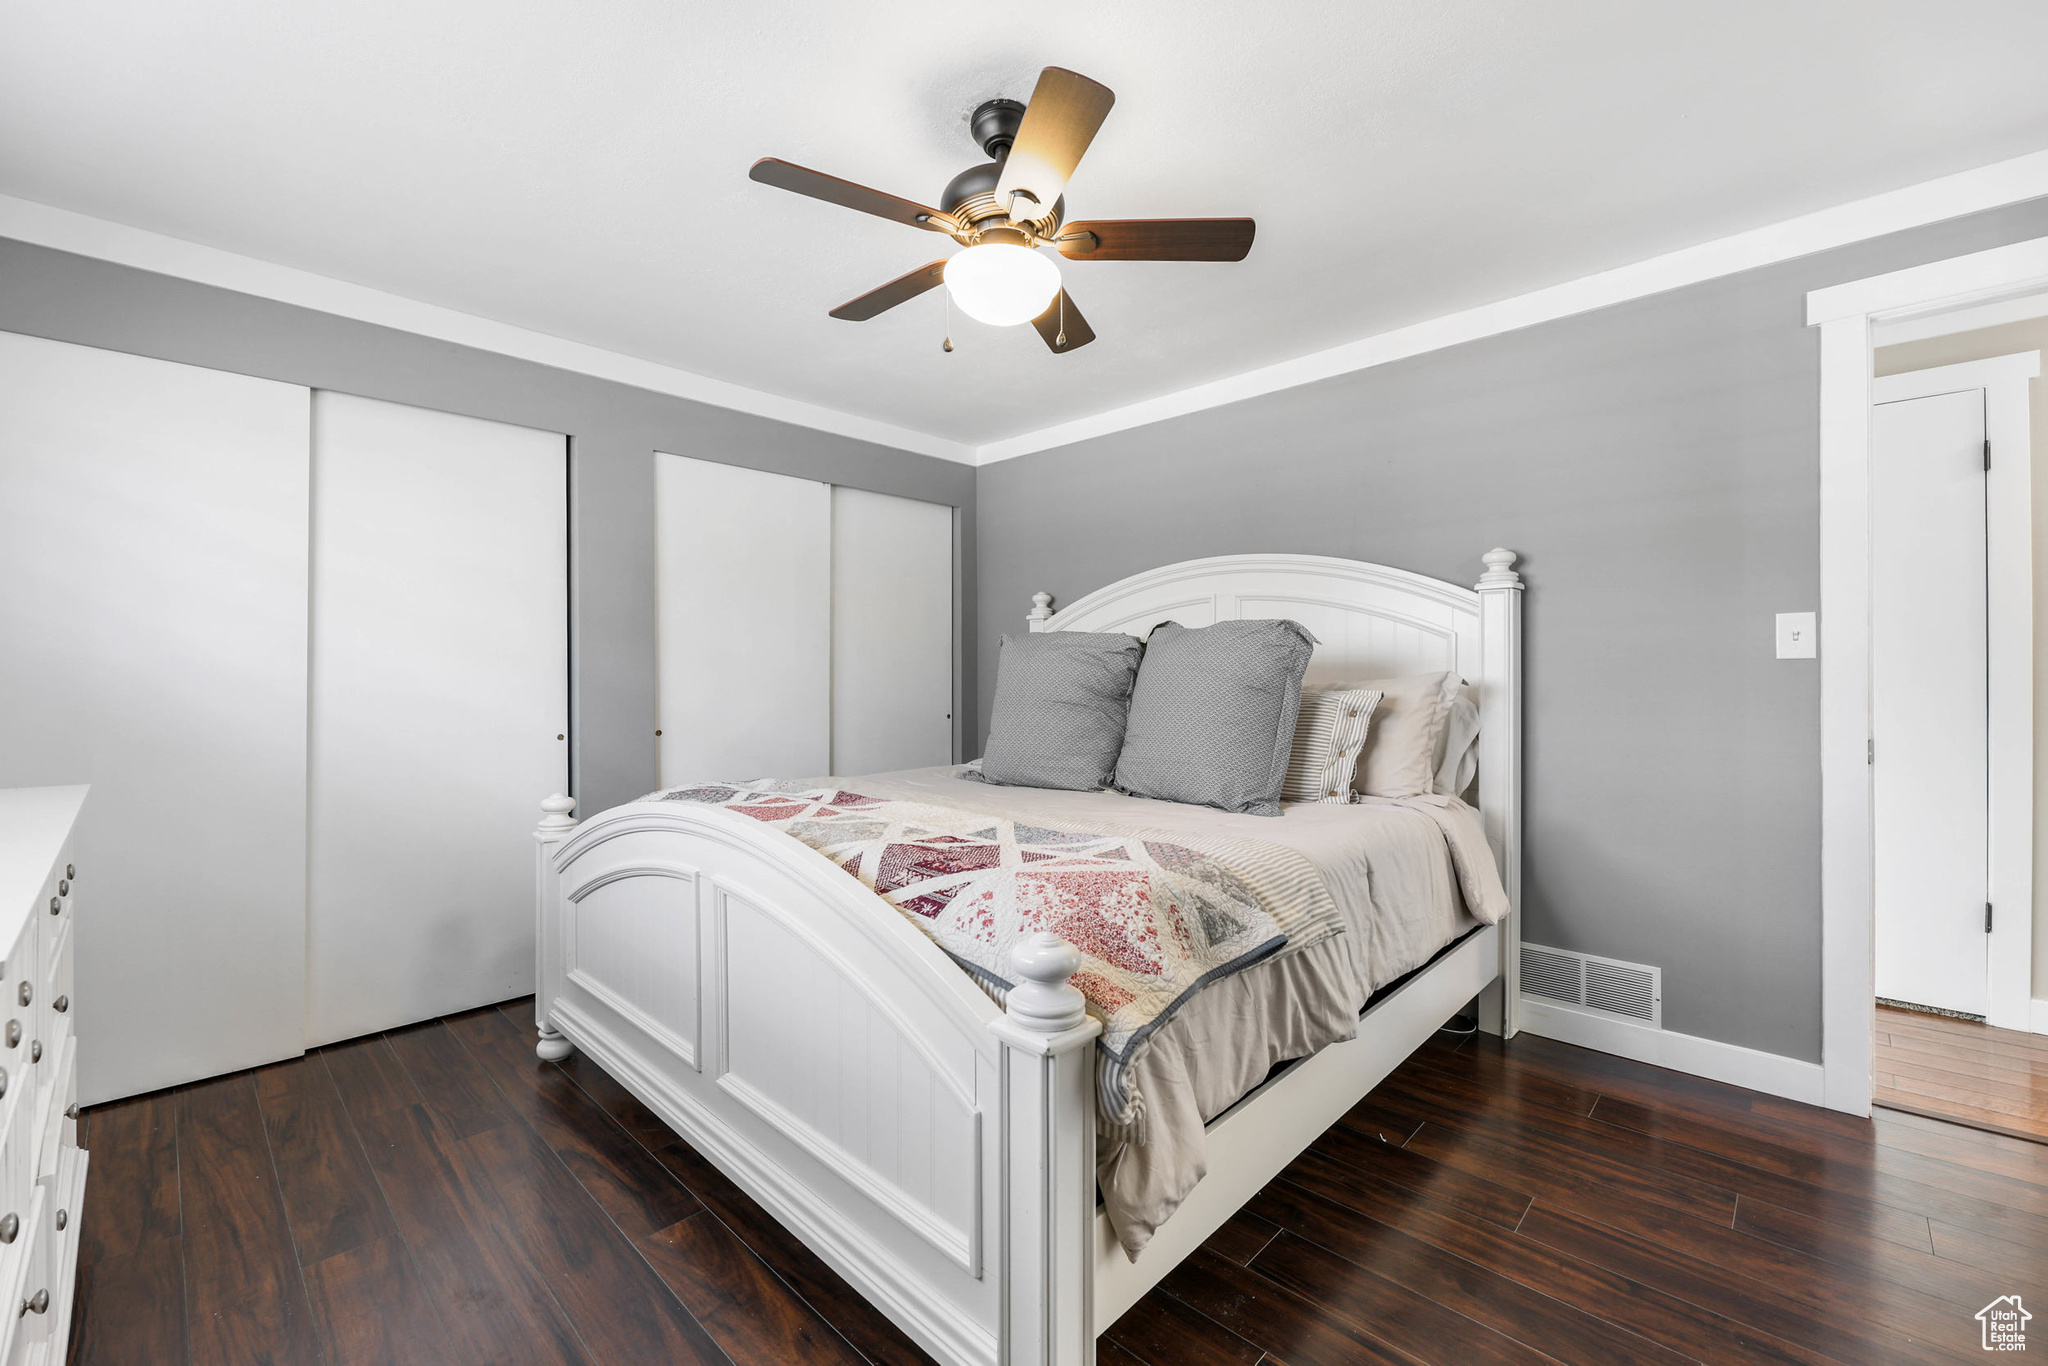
(1046, 1000)
(1500, 570)
(1041, 611)
(556, 825)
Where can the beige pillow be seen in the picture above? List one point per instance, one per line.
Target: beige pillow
(1329, 734)
(1400, 755)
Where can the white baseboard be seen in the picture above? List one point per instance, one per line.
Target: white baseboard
(1771, 1073)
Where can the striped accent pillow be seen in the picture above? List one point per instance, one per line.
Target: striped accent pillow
(1329, 735)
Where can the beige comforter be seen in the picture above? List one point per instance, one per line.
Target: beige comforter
(1407, 877)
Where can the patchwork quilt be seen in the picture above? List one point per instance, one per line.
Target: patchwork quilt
(1154, 920)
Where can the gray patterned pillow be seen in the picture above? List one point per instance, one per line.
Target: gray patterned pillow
(1212, 714)
(1061, 701)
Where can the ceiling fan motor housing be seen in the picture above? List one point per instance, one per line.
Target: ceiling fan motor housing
(971, 195)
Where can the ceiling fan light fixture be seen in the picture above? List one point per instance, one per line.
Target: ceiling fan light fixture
(1001, 284)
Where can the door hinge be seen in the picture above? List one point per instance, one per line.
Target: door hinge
(1987, 453)
(1987, 917)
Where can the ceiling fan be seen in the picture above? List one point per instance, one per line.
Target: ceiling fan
(1004, 210)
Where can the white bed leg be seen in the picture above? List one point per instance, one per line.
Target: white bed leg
(556, 825)
(1048, 1162)
(552, 1046)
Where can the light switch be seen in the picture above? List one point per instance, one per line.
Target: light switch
(1798, 636)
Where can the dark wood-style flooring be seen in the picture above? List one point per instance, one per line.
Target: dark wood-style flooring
(1933, 1065)
(436, 1195)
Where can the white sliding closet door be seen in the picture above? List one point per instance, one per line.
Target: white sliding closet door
(743, 598)
(153, 644)
(440, 667)
(892, 633)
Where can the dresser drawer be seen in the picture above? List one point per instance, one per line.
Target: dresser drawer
(28, 1310)
(53, 1001)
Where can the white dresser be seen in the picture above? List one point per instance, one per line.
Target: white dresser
(42, 1169)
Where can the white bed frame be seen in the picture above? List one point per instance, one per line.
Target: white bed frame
(936, 1149)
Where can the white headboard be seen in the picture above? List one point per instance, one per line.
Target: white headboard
(1371, 622)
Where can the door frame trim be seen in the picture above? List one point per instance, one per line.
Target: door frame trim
(1844, 314)
(2009, 657)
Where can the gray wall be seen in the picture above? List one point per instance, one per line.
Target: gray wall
(1656, 463)
(614, 429)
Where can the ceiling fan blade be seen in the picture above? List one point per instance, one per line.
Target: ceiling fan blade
(785, 175)
(1051, 323)
(1157, 239)
(882, 298)
(1059, 123)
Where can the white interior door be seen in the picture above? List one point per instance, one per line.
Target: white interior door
(439, 707)
(743, 611)
(153, 644)
(892, 633)
(1928, 700)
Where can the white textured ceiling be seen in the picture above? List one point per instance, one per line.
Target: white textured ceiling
(580, 169)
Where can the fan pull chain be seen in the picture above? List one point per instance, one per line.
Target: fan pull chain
(1061, 340)
(947, 346)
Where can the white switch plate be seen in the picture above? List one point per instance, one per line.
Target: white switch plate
(1798, 636)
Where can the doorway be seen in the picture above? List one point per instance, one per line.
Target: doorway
(1943, 775)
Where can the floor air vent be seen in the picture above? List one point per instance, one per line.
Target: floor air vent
(1633, 991)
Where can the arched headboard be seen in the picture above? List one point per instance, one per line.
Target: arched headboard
(1372, 621)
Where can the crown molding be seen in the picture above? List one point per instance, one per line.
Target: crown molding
(60, 229)
(1987, 187)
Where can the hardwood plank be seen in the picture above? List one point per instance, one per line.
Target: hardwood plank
(1769, 1308)
(865, 1326)
(1986, 1121)
(244, 1297)
(1475, 1194)
(496, 1307)
(1273, 1318)
(330, 1194)
(369, 1308)
(1160, 1328)
(622, 1105)
(1485, 1067)
(1872, 1258)
(1675, 1323)
(1382, 1119)
(2016, 1159)
(1390, 1311)
(622, 1311)
(1977, 1078)
(2027, 1058)
(1548, 1325)
(132, 1197)
(622, 1176)
(462, 1098)
(744, 1306)
(1107, 1353)
(1241, 1237)
(131, 1306)
(369, 1078)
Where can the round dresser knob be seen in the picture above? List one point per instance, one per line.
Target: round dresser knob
(37, 1303)
(14, 1033)
(3, 1081)
(9, 1227)
(27, 993)
(35, 1050)
(61, 1004)
(56, 906)
(70, 870)
(71, 1111)
(62, 1219)
(63, 887)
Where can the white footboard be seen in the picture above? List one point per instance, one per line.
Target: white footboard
(935, 1149)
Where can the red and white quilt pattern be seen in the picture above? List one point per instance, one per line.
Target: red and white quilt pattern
(1154, 922)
